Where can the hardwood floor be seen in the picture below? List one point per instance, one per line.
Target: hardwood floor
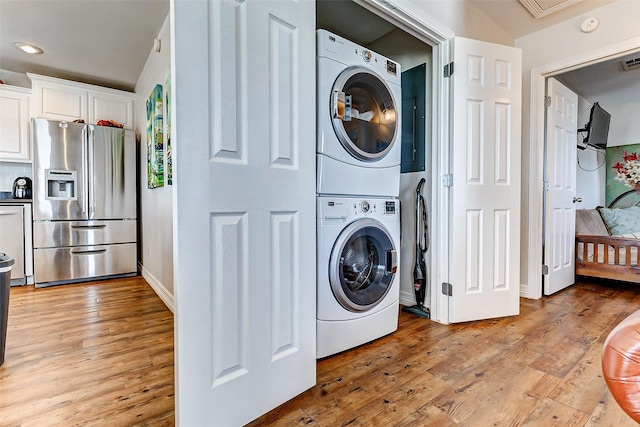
(102, 354)
(541, 368)
(99, 353)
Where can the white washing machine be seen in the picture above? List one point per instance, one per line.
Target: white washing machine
(358, 277)
(358, 122)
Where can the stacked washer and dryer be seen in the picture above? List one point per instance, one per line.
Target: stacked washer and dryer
(358, 188)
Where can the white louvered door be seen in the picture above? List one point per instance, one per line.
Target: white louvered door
(484, 267)
(245, 207)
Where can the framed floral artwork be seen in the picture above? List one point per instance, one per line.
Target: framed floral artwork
(623, 173)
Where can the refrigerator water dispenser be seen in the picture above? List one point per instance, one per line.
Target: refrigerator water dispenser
(61, 184)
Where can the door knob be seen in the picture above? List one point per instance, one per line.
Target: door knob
(577, 200)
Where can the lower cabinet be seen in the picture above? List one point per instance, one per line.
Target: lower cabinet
(15, 240)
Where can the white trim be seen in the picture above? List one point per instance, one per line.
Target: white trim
(158, 288)
(80, 85)
(440, 195)
(416, 22)
(533, 287)
(410, 18)
(538, 12)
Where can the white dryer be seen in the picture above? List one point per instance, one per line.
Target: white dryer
(358, 119)
(357, 273)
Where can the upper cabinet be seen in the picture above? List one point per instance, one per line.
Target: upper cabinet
(14, 124)
(59, 99)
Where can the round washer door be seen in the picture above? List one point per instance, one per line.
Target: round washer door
(364, 114)
(362, 266)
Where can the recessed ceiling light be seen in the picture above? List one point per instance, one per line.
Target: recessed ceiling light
(29, 48)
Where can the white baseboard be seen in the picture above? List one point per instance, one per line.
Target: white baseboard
(160, 290)
(407, 298)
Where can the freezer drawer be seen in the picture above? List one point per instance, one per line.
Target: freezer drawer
(64, 265)
(77, 233)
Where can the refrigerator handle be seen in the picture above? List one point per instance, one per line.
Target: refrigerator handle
(85, 180)
(89, 173)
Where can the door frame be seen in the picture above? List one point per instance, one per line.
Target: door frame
(533, 287)
(419, 24)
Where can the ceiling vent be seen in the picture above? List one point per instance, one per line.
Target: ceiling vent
(631, 64)
(540, 8)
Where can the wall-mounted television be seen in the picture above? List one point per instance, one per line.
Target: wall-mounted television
(598, 127)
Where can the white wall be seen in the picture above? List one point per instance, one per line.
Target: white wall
(15, 79)
(9, 171)
(410, 52)
(624, 126)
(465, 20)
(618, 23)
(156, 218)
(591, 167)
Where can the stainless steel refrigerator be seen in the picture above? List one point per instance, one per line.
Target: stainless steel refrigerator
(84, 202)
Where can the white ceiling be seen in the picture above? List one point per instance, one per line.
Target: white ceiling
(93, 41)
(516, 20)
(606, 82)
(107, 42)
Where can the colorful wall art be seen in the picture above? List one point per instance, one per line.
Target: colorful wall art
(167, 116)
(155, 149)
(617, 160)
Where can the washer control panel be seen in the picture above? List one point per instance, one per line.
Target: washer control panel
(373, 207)
(390, 207)
(336, 210)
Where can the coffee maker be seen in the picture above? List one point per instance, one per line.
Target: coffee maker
(22, 188)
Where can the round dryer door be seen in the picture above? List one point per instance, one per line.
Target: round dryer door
(364, 114)
(362, 265)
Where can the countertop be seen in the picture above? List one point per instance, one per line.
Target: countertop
(7, 199)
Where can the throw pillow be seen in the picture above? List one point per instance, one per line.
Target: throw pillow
(621, 221)
(589, 222)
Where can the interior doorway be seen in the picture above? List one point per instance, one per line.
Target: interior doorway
(534, 287)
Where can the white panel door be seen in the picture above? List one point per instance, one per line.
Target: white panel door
(245, 207)
(560, 177)
(485, 210)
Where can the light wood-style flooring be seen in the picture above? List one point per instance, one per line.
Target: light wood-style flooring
(541, 368)
(101, 354)
(94, 354)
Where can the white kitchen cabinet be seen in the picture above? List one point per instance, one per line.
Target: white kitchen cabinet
(14, 124)
(60, 99)
(16, 240)
(107, 105)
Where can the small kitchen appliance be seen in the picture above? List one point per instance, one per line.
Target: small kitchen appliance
(22, 188)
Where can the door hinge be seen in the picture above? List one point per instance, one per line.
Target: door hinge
(447, 180)
(448, 69)
(447, 289)
(545, 269)
(545, 186)
(547, 101)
